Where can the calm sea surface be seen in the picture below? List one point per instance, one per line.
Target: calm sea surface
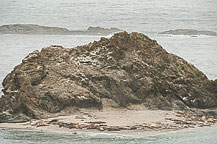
(146, 16)
(196, 136)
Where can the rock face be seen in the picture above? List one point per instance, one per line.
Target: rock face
(189, 32)
(45, 30)
(126, 69)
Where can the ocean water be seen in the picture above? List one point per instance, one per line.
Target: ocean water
(196, 136)
(145, 16)
(137, 15)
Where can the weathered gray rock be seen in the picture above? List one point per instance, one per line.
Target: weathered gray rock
(127, 69)
(45, 30)
(189, 32)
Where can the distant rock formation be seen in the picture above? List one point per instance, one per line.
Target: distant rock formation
(101, 30)
(189, 32)
(33, 29)
(125, 69)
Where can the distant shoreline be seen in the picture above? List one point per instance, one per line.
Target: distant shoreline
(34, 29)
(190, 32)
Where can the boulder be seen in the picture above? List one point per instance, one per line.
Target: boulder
(126, 68)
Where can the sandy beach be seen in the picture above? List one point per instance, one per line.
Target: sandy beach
(133, 120)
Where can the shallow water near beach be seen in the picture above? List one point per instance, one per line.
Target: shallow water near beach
(199, 136)
(148, 17)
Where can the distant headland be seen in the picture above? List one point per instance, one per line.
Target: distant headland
(189, 32)
(34, 29)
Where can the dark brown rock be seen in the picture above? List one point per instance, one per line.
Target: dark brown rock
(96, 122)
(127, 68)
(114, 128)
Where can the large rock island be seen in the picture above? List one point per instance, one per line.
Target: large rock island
(33, 29)
(125, 69)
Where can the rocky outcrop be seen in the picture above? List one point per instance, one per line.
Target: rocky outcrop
(189, 32)
(45, 30)
(126, 69)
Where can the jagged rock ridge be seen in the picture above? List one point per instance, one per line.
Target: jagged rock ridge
(126, 69)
